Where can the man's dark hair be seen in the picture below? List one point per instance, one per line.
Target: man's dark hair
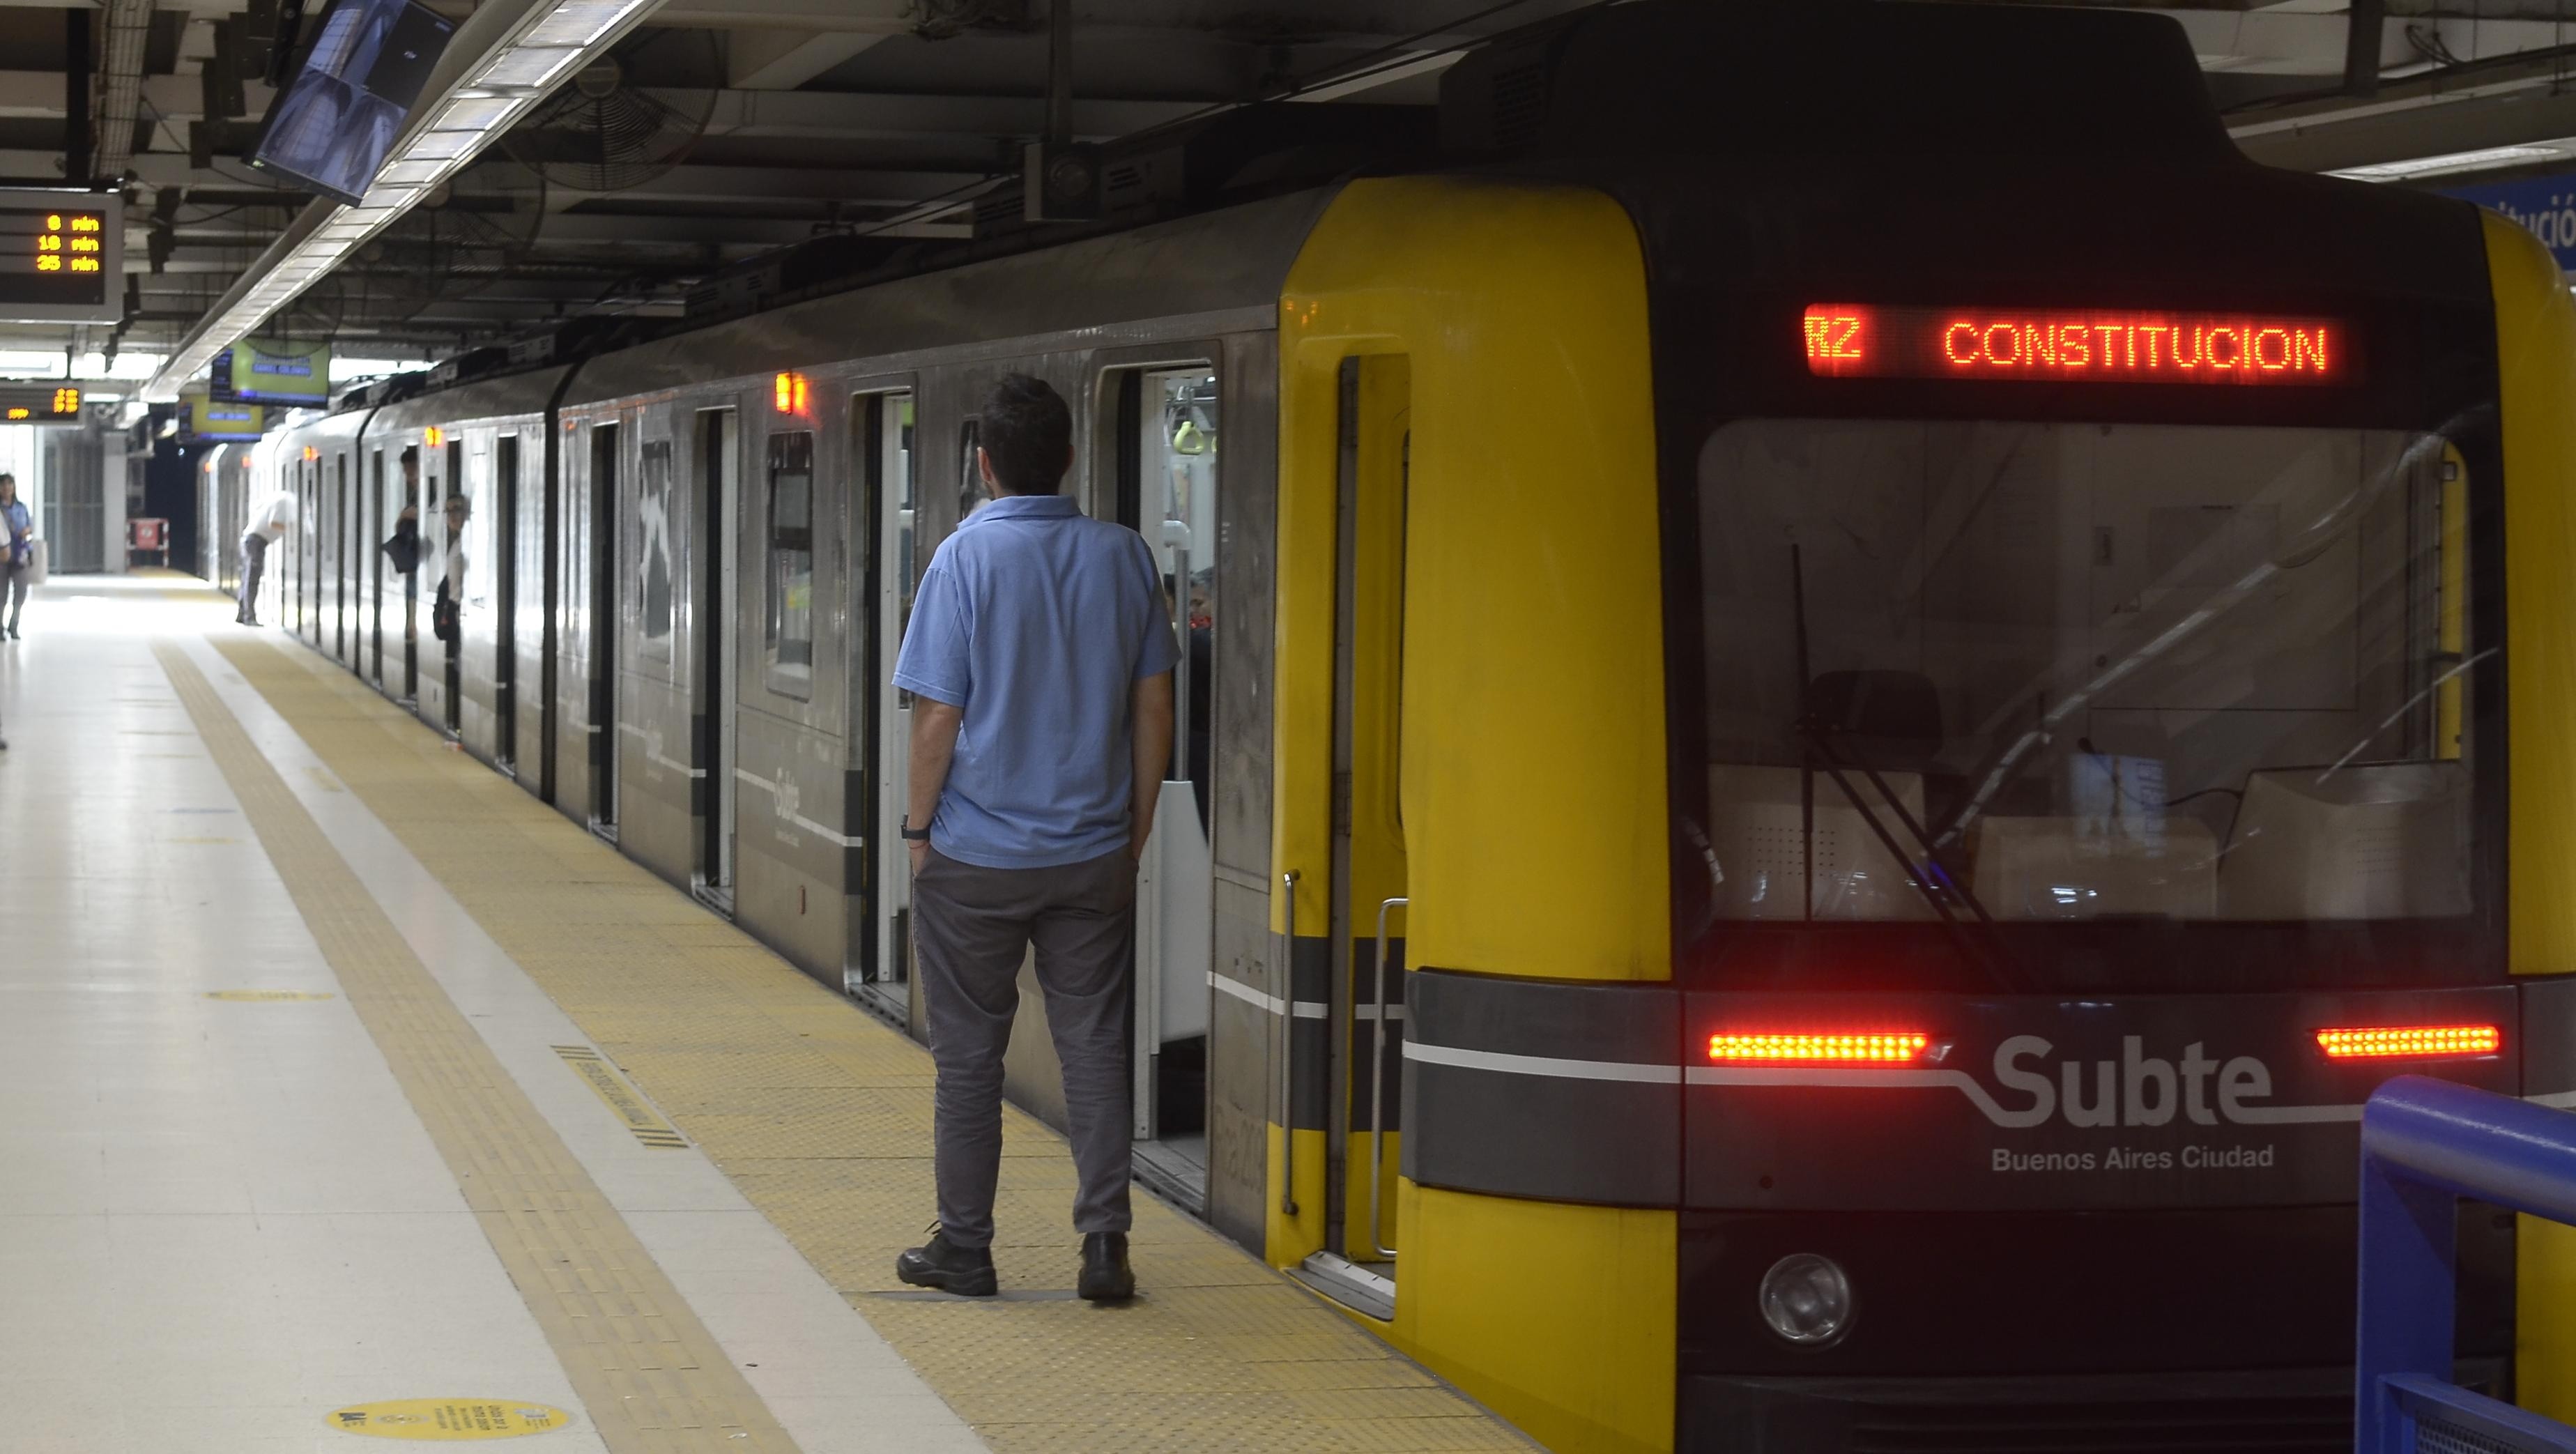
(1027, 431)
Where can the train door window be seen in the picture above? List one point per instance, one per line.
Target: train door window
(352, 547)
(1369, 865)
(970, 477)
(606, 524)
(501, 534)
(307, 505)
(460, 514)
(655, 560)
(787, 629)
(882, 438)
(410, 515)
(711, 623)
(341, 557)
(308, 525)
(1167, 490)
(371, 539)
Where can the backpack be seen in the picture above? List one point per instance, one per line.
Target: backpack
(404, 548)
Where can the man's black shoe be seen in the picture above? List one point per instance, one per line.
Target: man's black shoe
(1106, 1277)
(966, 1271)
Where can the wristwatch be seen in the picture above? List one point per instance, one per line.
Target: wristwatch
(912, 834)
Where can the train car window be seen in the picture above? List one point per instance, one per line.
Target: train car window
(787, 633)
(653, 565)
(899, 463)
(1175, 458)
(2112, 671)
(970, 479)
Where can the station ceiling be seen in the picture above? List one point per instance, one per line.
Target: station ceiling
(718, 129)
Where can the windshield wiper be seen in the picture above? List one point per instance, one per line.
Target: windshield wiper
(1983, 948)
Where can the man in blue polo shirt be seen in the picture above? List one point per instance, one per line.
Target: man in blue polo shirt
(1040, 658)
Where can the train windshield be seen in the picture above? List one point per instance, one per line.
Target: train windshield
(2110, 705)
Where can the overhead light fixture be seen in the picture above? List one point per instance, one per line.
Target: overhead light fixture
(472, 111)
(2458, 161)
(530, 67)
(579, 23)
(539, 45)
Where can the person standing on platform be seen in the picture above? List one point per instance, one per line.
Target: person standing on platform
(1040, 657)
(17, 553)
(268, 521)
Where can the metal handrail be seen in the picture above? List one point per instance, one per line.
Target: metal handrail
(1377, 1084)
(2425, 1144)
(1283, 983)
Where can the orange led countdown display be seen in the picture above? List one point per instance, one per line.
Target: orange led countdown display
(2090, 345)
(71, 242)
(62, 256)
(40, 404)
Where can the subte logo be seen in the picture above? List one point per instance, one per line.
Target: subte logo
(2136, 1090)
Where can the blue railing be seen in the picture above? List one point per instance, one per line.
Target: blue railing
(2424, 1145)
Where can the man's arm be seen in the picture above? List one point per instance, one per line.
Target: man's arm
(934, 745)
(1150, 709)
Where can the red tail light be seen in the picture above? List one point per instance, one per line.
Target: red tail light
(1868, 1047)
(2410, 1042)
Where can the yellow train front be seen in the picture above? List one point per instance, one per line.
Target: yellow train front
(1932, 676)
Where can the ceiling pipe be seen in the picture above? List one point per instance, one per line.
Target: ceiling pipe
(1059, 112)
(2369, 19)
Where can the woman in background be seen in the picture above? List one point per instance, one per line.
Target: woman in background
(17, 552)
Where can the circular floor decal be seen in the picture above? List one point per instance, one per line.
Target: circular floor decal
(448, 1418)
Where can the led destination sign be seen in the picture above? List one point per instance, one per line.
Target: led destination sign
(2091, 345)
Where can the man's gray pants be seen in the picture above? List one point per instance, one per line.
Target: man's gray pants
(254, 558)
(972, 927)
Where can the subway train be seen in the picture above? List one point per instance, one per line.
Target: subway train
(1846, 687)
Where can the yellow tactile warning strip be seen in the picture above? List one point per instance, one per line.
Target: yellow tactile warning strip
(652, 1378)
(822, 1117)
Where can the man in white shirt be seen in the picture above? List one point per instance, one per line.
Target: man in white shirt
(268, 520)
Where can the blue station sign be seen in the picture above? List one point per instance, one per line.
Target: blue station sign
(2545, 205)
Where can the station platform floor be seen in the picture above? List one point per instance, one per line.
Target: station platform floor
(347, 1090)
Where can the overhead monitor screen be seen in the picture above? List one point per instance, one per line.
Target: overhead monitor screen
(329, 129)
(62, 257)
(39, 404)
(218, 419)
(2075, 345)
(269, 371)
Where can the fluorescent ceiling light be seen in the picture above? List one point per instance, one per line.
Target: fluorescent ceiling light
(2458, 161)
(126, 366)
(580, 22)
(528, 67)
(412, 171)
(473, 113)
(438, 146)
(372, 368)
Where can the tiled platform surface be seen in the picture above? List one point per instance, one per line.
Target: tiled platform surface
(818, 1116)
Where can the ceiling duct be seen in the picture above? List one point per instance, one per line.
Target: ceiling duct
(120, 88)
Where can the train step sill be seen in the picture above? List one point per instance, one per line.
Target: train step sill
(1348, 1283)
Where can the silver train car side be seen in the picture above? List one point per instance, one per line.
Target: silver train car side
(681, 571)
